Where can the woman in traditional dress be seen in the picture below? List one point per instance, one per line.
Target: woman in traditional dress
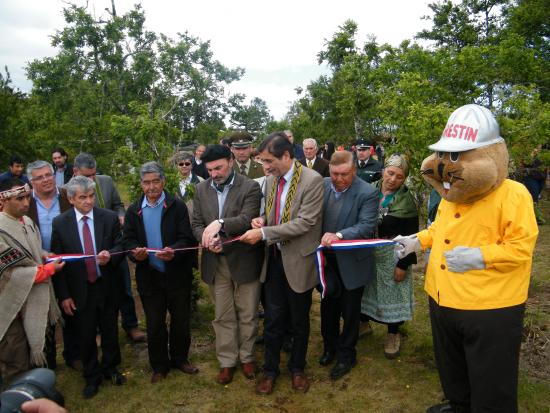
(388, 299)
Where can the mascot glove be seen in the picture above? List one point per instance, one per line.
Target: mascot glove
(462, 259)
(406, 245)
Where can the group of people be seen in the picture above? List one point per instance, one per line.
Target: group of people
(259, 221)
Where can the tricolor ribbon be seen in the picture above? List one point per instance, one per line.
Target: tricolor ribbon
(77, 257)
(344, 245)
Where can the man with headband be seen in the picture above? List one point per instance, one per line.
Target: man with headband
(27, 301)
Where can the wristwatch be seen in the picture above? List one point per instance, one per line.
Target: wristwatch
(339, 235)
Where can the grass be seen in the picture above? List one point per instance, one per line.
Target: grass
(407, 384)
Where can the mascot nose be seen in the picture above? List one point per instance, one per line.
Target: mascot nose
(440, 168)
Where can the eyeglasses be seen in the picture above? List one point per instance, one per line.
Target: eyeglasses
(42, 177)
(184, 163)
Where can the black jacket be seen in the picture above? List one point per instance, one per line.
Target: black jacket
(176, 233)
(71, 282)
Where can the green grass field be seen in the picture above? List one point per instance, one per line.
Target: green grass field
(407, 384)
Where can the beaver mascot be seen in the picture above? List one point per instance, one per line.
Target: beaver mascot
(477, 278)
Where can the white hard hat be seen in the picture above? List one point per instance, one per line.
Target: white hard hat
(469, 127)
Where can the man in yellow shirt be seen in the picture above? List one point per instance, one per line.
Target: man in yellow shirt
(482, 243)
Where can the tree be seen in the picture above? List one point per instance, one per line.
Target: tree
(111, 68)
(253, 117)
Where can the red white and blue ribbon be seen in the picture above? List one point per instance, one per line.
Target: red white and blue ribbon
(344, 245)
(77, 257)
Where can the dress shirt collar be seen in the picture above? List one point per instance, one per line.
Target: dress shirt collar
(79, 215)
(145, 203)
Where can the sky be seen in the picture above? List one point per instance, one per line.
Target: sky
(275, 42)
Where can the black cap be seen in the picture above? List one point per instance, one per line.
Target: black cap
(363, 143)
(241, 139)
(215, 152)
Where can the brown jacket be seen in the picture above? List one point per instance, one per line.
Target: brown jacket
(302, 233)
(64, 205)
(241, 205)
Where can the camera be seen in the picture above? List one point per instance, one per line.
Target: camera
(34, 384)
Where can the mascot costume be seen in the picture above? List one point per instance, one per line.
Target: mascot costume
(482, 243)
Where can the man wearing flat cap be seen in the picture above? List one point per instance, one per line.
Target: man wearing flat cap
(223, 208)
(241, 146)
(368, 168)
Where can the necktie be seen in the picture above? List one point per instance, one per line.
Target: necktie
(362, 164)
(280, 188)
(309, 164)
(243, 169)
(89, 250)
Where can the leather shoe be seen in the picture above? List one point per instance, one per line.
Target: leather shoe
(156, 377)
(341, 369)
(249, 370)
(90, 390)
(188, 368)
(300, 382)
(75, 365)
(225, 375)
(326, 358)
(136, 335)
(441, 408)
(116, 378)
(265, 385)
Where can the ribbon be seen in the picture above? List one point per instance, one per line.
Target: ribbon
(77, 257)
(344, 245)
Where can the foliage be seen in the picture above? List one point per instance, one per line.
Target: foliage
(129, 95)
(494, 53)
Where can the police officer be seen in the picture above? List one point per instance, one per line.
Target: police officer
(368, 168)
(241, 146)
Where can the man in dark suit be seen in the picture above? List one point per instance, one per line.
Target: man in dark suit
(160, 221)
(87, 289)
(311, 160)
(107, 196)
(350, 212)
(241, 146)
(291, 227)
(224, 206)
(198, 165)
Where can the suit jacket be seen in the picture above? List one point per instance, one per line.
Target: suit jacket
(64, 205)
(176, 233)
(357, 219)
(200, 170)
(71, 282)
(320, 166)
(254, 171)
(241, 205)
(301, 234)
(111, 198)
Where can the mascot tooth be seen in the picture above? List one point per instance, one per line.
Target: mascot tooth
(477, 278)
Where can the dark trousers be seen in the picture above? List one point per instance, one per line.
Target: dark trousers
(477, 355)
(160, 340)
(126, 303)
(346, 304)
(284, 306)
(100, 313)
(71, 340)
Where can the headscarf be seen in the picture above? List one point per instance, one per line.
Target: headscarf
(398, 161)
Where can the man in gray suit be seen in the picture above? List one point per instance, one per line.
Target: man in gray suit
(291, 228)
(107, 197)
(223, 207)
(350, 212)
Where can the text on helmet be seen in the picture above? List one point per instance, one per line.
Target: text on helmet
(455, 130)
